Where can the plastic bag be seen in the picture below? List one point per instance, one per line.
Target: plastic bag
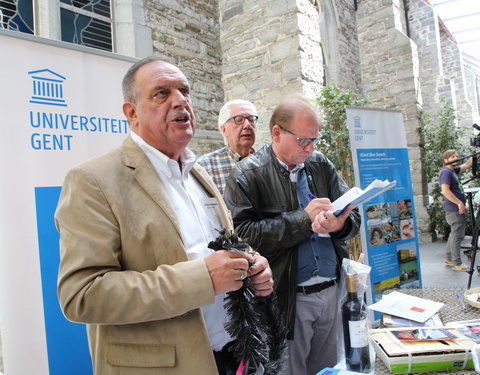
(476, 357)
(358, 354)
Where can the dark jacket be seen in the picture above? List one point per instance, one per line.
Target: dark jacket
(265, 213)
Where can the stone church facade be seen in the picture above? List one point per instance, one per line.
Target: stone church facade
(396, 53)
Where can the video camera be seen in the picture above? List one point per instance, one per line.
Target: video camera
(475, 141)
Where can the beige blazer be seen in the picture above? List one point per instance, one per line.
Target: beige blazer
(124, 269)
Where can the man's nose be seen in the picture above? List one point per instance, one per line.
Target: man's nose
(178, 99)
(310, 147)
(247, 124)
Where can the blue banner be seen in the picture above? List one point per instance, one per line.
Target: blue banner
(67, 346)
(389, 231)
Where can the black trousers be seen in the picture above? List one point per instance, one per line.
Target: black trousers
(226, 362)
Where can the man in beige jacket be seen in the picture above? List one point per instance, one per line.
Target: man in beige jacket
(134, 226)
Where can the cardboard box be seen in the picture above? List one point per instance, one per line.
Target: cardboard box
(403, 357)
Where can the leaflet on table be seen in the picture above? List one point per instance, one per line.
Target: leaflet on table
(357, 196)
(468, 328)
(406, 306)
(424, 334)
(396, 321)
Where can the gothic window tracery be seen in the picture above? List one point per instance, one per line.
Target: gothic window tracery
(85, 22)
(16, 15)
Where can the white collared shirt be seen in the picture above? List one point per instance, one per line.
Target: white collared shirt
(294, 172)
(193, 206)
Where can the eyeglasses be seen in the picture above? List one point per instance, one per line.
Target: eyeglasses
(302, 142)
(239, 119)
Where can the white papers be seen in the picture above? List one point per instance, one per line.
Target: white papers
(357, 196)
(396, 321)
(408, 307)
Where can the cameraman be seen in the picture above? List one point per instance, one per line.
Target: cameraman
(454, 206)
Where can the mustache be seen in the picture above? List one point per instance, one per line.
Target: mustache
(181, 113)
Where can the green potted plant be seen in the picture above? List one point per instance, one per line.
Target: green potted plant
(439, 133)
(335, 141)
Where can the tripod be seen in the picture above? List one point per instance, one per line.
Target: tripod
(475, 221)
(475, 233)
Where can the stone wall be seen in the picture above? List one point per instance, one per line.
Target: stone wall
(424, 31)
(390, 79)
(261, 59)
(259, 51)
(310, 48)
(264, 50)
(272, 49)
(188, 32)
(454, 71)
(338, 35)
(348, 48)
(441, 67)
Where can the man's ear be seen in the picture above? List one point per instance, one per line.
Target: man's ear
(130, 112)
(223, 130)
(275, 133)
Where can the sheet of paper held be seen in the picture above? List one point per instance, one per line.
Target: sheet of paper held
(357, 196)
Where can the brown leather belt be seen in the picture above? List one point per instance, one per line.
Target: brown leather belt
(315, 288)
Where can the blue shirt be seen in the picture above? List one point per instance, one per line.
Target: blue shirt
(450, 177)
(316, 254)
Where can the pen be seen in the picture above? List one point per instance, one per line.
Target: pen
(460, 301)
(336, 213)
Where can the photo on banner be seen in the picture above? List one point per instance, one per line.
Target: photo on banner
(388, 231)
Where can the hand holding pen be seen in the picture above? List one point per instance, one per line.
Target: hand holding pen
(325, 221)
(317, 205)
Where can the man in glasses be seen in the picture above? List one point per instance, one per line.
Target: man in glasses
(237, 121)
(273, 199)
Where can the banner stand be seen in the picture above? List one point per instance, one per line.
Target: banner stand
(61, 104)
(389, 229)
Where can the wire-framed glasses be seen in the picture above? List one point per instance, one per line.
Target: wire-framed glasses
(302, 142)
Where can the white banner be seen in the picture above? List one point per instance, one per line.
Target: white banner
(389, 234)
(61, 104)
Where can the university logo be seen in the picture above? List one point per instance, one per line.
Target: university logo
(47, 88)
(356, 122)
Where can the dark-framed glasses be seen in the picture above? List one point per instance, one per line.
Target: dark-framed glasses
(239, 119)
(302, 142)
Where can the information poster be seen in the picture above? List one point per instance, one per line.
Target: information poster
(389, 232)
(61, 104)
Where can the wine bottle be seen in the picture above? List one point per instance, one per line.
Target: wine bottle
(355, 330)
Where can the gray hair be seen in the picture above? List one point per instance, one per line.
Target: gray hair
(225, 112)
(129, 89)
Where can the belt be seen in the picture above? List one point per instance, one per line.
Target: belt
(315, 288)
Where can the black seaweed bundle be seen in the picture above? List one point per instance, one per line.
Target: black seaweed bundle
(255, 322)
